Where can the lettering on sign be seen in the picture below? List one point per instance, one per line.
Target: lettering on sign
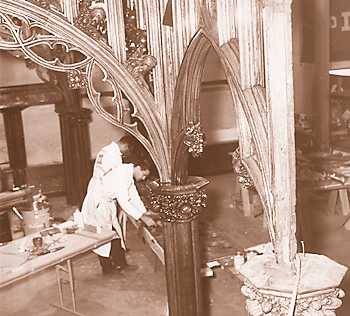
(341, 22)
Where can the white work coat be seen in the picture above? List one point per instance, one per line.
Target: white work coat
(107, 158)
(99, 206)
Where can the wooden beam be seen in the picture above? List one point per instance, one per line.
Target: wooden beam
(29, 95)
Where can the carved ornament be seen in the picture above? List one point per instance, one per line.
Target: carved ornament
(48, 4)
(140, 66)
(139, 62)
(244, 178)
(179, 203)
(194, 139)
(321, 303)
(180, 208)
(92, 19)
(76, 80)
(136, 38)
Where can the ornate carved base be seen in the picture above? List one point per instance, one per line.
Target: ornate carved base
(312, 289)
(271, 303)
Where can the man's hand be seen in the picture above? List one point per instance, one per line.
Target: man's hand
(151, 214)
(147, 219)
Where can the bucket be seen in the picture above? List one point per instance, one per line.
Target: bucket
(35, 221)
(5, 231)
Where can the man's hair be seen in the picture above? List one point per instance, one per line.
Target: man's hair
(131, 143)
(134, 148)
(144, 164)
(141, 161)
(136, 154)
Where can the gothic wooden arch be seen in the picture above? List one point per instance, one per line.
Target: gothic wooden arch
(61, 32)
(253, 133)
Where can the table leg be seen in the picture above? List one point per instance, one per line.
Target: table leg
(59, 284)
(69, 272)
(71, 284)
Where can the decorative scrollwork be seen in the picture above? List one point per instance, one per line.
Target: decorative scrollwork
(48, 4)
(43, 38)
(194, 139)
(179, 206)
(244, 179)
(136, 38)
(38, 45)
(92, 19)
(139, 62)
(323, 303)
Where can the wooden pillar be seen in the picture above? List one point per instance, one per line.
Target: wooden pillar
(321, 80)
(13, 124)
(13, 100)
(280, 101)
(180, 206)
(75, 140)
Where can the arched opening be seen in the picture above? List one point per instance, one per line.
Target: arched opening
(225, 227)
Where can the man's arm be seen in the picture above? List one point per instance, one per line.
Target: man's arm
(131, 202)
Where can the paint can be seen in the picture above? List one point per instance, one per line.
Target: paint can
(35, 220)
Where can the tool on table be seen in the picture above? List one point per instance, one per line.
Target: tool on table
(17, 213)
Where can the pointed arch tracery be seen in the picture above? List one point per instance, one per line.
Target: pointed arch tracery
(21, 20)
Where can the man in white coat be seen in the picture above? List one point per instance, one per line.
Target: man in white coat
(113, 184)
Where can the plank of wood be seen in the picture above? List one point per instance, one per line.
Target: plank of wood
(344, 201)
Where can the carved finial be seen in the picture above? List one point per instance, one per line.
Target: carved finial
(194, 139)
(140, 65)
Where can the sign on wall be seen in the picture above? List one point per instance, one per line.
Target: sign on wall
(340, 30)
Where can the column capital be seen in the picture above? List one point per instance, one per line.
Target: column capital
(81, 114)
(179, 203)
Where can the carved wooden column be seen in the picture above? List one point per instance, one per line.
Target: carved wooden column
(75, 136)
(294, 284)
(179, 207)
(15, 143)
